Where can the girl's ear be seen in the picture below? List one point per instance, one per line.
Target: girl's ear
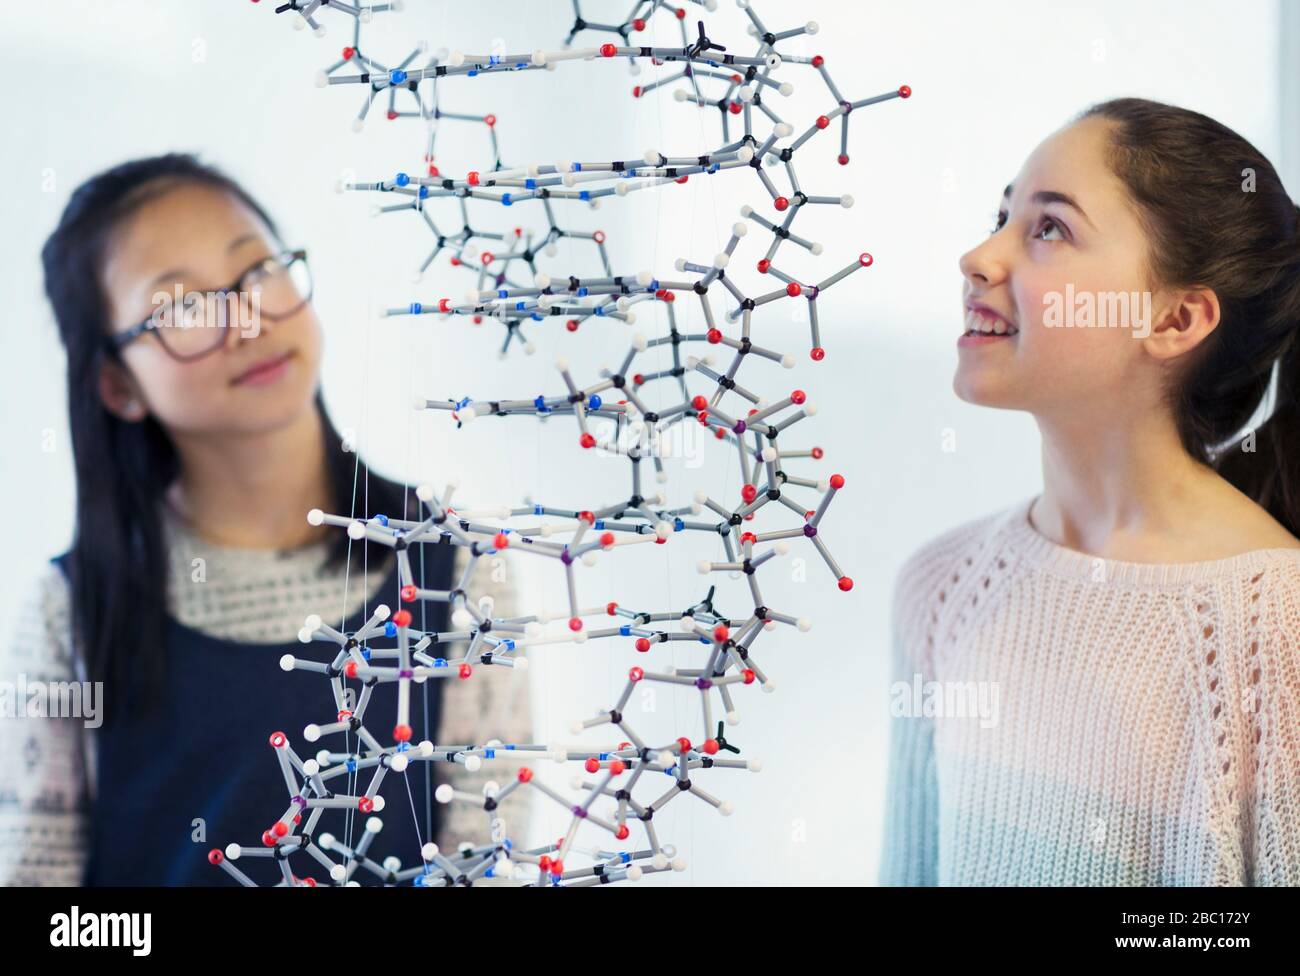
(120, 392)
(1188, 321)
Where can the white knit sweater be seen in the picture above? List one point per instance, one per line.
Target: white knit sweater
(1125, 723)
(47, 765)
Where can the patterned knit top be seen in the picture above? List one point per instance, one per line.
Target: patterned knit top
(1060, 719)
(247, 595)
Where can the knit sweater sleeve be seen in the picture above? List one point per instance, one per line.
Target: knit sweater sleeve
(43, 793)
(1271, 683)
(910, 845)
(494, 703)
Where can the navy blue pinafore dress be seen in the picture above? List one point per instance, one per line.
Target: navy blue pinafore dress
(198, 771)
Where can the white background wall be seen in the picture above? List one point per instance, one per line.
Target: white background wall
(93, 83)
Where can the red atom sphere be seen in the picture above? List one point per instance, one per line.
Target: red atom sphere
(905, 91)
(763, 265)
(837, 481)
(720, 633)
(817, 453)
(490, 119)
(798, 396)
(684, 744)
(611, 608)
(714, 336)
(278, 740)
(842, 159)
(525, 774)
(749, 493)
(215, 856)
(865, 259)
(643, 644)
(608, 50)
(822, 121)
(817, 354)
(845, 584)
(402, 618)
(592, 765)
(402, 733)
(571, 325)
(408, 594)
(501, 541)
(793, 289)
(711, 746)
(635, 674)
(781, 203)
(748, 676)
(586, 440)
(365, 804)
(575, 624)
(465, 671)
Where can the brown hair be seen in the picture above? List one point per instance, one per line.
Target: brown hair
(1217, 216)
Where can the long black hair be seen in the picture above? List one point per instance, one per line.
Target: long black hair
(118, 565)
(1217, 216)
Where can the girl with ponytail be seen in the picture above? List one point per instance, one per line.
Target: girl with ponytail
(1137, 623)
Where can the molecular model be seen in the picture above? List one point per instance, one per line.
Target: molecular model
(611, 811)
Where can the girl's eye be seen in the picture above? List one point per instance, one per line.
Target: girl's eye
(1049, 223)
(1000, 220)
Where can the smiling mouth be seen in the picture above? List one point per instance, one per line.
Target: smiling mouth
(262, 369)
(980, 323)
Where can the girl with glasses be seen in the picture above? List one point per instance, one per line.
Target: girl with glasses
(201, 442)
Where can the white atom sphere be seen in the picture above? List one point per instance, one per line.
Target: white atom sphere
(774, 60)
(560, 755)
(755, 765)
(651, 156)
(744, 154)
(816, 248)
(380, 803)
(392, 864)
(659, 861)
(373, 824)
(562, 364)
(575, 728)
(739, 228)
(644, 278)
(580, 637)
(325, 841)
(338, 872)
(315, 517)
(769, 686)
(680, 264)
(426, 749)
(461, 618)
(804, 624)
(631, 318)
(311, 733)
(847, 201)
(681, 95)
(786, 88)
(312, 622)
(299, 23)
(323, 757)
(311, 767)
(733, 718)
(721, 259)
(424, 492)
(521, 664)
(467, 414)
(539, 58)
(769, 453)
(704, 567)
(551, 250)
(473, 764)
(356, 530)
(382, 612)
(321, 79)
(542, 280)
(746, 210)
(726, 808)
(589, 558)
(399, 762)
(429, 851)
(357, 125)
(304, 636)
(810, 409)
(782, 548)
(233, 851)
(812, 27)
(287, 662)
(782, 129)
(456, 59)
(639, 342)
(634, 873)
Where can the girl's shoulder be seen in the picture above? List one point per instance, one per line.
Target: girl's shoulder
(952, 550)
(41, 631)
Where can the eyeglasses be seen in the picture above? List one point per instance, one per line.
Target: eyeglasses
(190, 325)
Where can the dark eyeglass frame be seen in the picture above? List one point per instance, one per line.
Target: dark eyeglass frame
(284, 259)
